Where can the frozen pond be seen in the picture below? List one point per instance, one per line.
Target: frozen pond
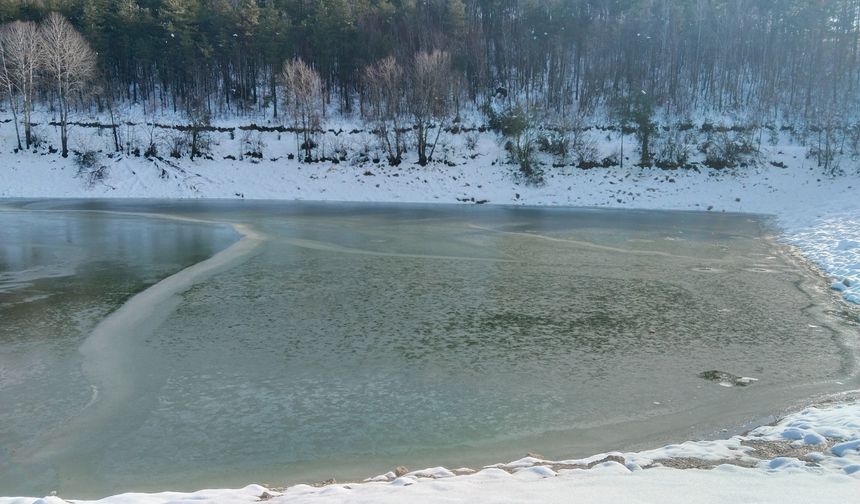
(342, 340)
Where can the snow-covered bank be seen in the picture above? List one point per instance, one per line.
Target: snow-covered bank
(833, 242)
(819, 214)
(809, 456)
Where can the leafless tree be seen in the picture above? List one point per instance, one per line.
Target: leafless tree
(384, 81)
(69, 62)
(430, 98)
(6, 85)
(21, 54)
(303, 97)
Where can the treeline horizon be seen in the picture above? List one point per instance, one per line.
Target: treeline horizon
(776, 59)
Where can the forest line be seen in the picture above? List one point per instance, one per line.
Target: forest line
(789, 57)
(404, 66)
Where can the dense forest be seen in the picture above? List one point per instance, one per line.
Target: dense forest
(419, 62)
(794, 57)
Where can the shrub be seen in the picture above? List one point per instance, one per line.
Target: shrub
(520, 141)
(555, 143)
(827, 147)
(339, 149)
(521, 152)
(200, 142)
(36, 138)
(727, 149)
(89, 168)
(471, 142)
(178, 146)
(151, 150)
(584, 147)
(510, 122)
(86, 160)
(252, 145)
(673, 149)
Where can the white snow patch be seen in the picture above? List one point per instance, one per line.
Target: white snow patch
(534, 473)
(433, 472)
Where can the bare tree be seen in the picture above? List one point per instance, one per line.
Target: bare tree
(303, 97)
(21, 56)
(69, 62)
(6, 84)
(431, 98)
(384, 81)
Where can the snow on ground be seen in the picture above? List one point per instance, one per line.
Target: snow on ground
(809, 456)
(833, 242)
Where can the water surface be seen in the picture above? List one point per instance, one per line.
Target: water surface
(356, 337)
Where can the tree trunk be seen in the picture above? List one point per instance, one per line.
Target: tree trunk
(28, 127)
(422, 143)
(436, 141)
(15, 119)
